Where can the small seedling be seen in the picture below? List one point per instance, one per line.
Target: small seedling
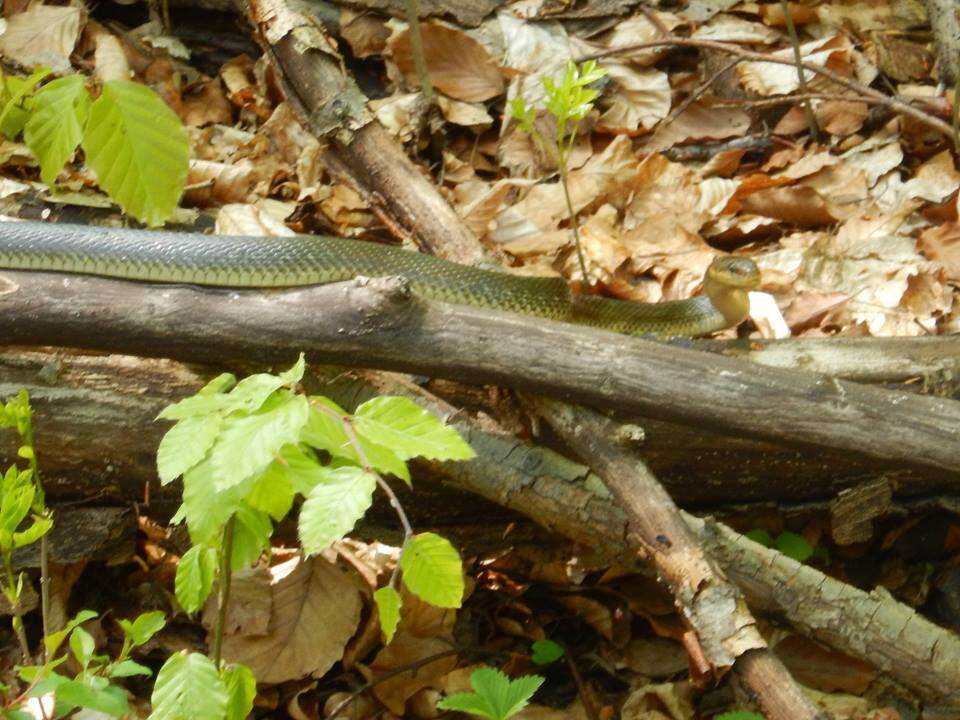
(740, 715)
(494, 696)
(568, 102)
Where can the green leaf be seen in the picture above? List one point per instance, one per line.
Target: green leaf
(16, 91)
(794, 546)
(82, 645)
(129, 668)
(138, 148)
(241, 688)
(248, 444)
(253, 391)
(146, 626)
(55, 127)
(272, 492)
(251, 536)
(53, 640)
(334, 506)
(186, 444)
(388, 603)
(14, 507)
(739, 715)
(759, 535)
(188, 687)
(295, 374)
(408, 430)
(494, 696)
(546, 652)
(193, 406)
(326, 432)
(41, 526)
(195, 573)
(111, 699)
(432, 570)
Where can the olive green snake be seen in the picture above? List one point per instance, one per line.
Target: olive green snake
(283, 262)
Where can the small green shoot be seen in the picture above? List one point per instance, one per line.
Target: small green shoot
(546, 652)
(21, 494)
(740, 715)
(495, 696)
(568, 102)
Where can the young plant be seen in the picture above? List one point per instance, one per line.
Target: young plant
(21, 495)
(247, 450)
(568, 103)
(127, 126)
(740, 715)
(494, 696)
(93, 686)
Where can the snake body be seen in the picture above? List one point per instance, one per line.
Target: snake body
(279, 262)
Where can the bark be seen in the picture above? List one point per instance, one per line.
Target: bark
(379, 324)
(872, 626)
(112, 393)
(85, 404)
(711, 605)
(946, 35)
(331, 106)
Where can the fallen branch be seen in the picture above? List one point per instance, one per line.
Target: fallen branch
(378, 323)
(712, 606)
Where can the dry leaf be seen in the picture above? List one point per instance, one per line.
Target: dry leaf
(459, 65)
(205, 103)
(249, 220)
(472, 115)
(766, 79)
(365, 33)
(316, 609)
(110, 60)
(251, 603)
(699, 122)
(796, 205)
(731, 28)
(942, 244)
(638, 29)
(841, 117)
(424, 631)
(639, 99)
(42, 35)
(212, 183)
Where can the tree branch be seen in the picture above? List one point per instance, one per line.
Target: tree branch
(378, 323)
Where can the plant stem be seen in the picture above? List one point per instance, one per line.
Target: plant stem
(955, 115)
(13, 597)
(40, 504)
(801, 79)
(573, 224)
(416, 45)
(226, 550)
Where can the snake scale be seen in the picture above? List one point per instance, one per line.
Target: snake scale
(277, 262)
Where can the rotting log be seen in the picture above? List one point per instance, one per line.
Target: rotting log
(554, 492)
(380, 324)
(86, 405)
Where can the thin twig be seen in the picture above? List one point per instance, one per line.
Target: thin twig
(409, 667)
(895, 103)
(801, 77)
(394, 501)
(696, 94)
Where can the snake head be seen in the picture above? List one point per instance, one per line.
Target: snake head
(734, 272)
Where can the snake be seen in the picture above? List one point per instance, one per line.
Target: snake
(246, 262)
